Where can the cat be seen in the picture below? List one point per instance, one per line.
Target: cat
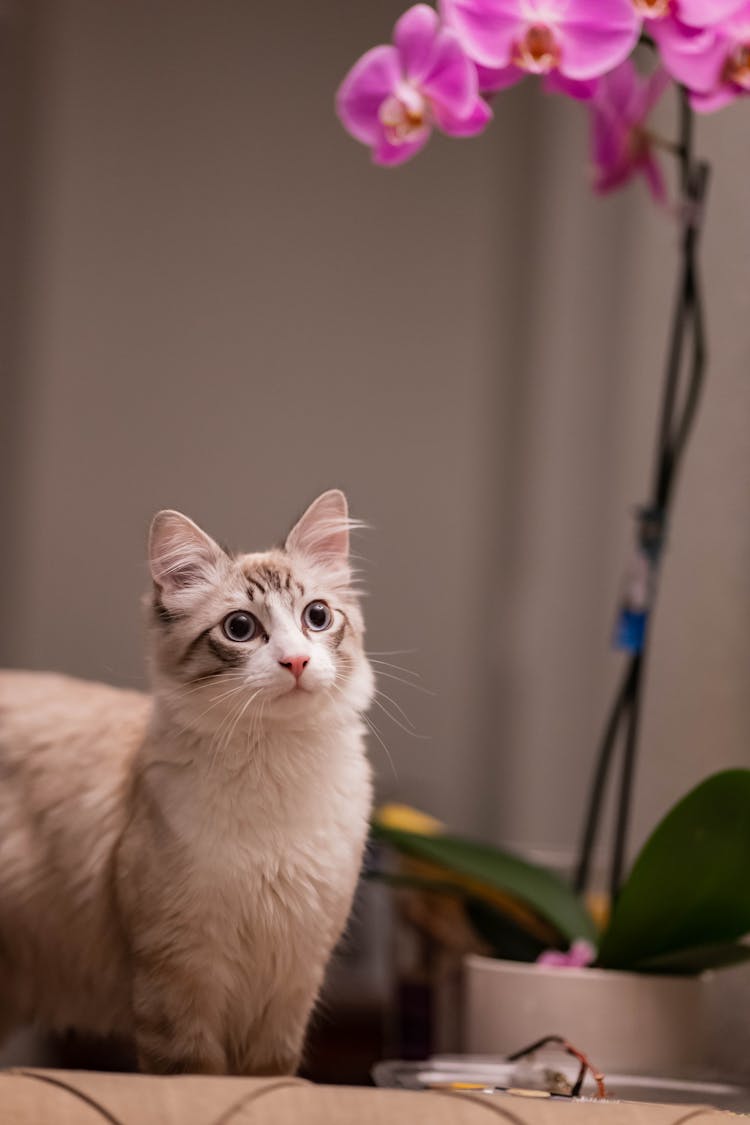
(176, 868)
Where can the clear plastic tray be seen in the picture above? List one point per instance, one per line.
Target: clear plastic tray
(536, 1077)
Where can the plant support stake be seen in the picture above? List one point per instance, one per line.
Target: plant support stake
(686, 362)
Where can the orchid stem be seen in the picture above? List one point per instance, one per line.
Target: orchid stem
(604, 759)
(675, 425)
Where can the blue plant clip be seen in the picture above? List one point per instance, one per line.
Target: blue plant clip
(639, 584)
(630, 630)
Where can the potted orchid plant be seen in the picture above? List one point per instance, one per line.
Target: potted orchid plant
(629, 981)
(684, 907)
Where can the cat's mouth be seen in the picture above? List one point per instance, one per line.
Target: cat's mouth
(297, 689)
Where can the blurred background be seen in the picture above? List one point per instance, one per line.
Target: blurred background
(212, 301)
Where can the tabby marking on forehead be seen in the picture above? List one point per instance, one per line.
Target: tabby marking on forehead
(274, 578)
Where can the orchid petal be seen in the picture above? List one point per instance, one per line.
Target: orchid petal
(557, 83)
(612, 14)
(589, 50)
(468, 126)
(610, 179)
(647, 93)
(451, 80)
(607, 141)
(487, 29)
(360, 95)
(389, 155)
(620, 142)
(694, 58)
(553, 959)
(494, 79)
(622, 87)
(705, 13)
(716, 99)
(581, 954)
(414, 36)
(656, 84)
(738, 24)
(655, 179)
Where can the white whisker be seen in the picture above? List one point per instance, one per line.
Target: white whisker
(376, 732)
(393, 703)
(407, 730)
(407, 683)
(395, 667)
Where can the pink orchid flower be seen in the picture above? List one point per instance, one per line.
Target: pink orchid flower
(621, 146)
(394, 95)
(581, 954)
(492, 81)
(687, 33)
(579, 39)
(727, 60)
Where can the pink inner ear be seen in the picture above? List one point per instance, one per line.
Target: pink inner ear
(323, 531)
(180, 568)
(329, 538)
(181, 555)
(183, 575)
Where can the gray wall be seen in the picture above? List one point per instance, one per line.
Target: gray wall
(220, 306)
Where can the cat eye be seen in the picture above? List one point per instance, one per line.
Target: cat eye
(239, 626)
(317, 616)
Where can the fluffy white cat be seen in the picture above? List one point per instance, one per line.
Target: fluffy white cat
(177, 868)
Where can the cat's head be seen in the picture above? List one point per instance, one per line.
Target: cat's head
(276, 635)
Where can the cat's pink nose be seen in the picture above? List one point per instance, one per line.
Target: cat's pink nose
(295, 664)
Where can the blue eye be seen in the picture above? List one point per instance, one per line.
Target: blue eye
(239, 626)
(317, 616)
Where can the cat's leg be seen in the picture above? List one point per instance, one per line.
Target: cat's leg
(277, 1039)
(176, 1021)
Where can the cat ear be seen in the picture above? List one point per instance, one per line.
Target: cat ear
(180, 554)
(322, 534)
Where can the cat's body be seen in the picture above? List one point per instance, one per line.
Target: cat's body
(177, 868)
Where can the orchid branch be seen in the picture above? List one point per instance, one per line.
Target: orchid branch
(674, 430)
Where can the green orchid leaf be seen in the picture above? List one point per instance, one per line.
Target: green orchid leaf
(690, 885)
(720, 955)
(416, 883)
(539, 889)
(505, 936)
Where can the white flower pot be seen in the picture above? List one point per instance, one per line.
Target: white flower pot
(627, 1023)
